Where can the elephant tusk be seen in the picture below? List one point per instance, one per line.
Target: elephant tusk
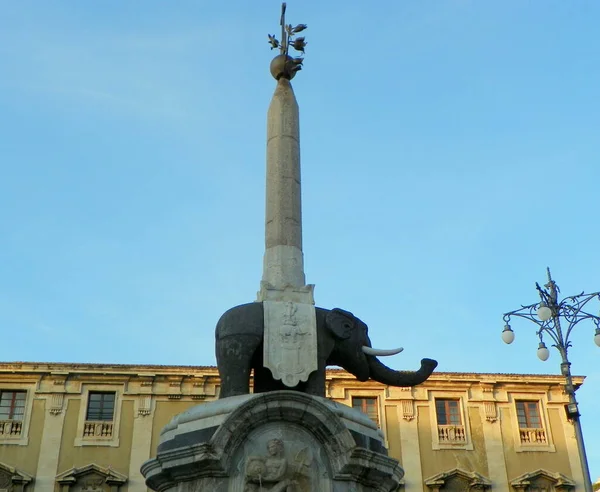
(379, 352)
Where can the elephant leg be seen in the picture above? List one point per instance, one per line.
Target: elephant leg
(263, 380)
(234, 360)
(315, 385)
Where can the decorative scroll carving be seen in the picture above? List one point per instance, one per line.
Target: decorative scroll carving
(489, 408)
(489, 402)
(56, 403)
(408, 409)
(144, 405)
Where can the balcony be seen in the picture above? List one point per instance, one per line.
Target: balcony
(532, 436)
(451, 434)
(93, 429)
(11, 428)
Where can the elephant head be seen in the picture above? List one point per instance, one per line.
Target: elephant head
(354, 353)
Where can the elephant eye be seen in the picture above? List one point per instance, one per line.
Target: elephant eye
(347, 326)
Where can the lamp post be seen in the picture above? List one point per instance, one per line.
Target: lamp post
(547, 315)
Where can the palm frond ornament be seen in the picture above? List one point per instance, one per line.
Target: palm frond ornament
(283, 65)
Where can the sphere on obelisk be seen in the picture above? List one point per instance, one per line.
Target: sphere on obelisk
(284, 66)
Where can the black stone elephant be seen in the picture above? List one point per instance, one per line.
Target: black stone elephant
(340, 338)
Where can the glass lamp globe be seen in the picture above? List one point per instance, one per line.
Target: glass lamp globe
(597, 337)
(544, 312)
(508, 335)
(542, 352)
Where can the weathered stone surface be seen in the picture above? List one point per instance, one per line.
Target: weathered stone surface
(283, 208)
(283, 267)
(290, 329)
(282, 441)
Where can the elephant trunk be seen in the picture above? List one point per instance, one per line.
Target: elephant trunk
(382, 373)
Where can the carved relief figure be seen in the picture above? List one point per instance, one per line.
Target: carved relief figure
(275, 473)
(291, 341)
(5, 481)
(92, 484)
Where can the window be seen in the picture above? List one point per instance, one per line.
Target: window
(99, 415)
(12, 414)
(449, 421)
(12, 405)
(531, 430)
(367, 405)
(528, 415)
(448, 412)
(101, 406)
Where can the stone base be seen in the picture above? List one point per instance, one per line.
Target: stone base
(282, 441)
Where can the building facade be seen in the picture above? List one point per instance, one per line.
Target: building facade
(89, 427)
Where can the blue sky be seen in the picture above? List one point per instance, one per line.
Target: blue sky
(450, 153)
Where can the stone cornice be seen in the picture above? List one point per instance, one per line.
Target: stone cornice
(33, 371)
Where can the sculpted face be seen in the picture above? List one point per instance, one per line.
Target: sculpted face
(275, 447)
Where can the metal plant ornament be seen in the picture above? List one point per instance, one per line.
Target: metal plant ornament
(286, 65)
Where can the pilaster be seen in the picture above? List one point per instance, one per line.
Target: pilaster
(492, 437)
(141, 441)
(409, 442)
(54, 419)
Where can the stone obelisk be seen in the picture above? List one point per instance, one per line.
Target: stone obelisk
(290, 348)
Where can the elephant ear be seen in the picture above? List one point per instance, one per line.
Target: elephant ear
(340, 322)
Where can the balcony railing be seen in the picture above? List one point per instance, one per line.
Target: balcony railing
(532, 436)
(452, 434)
(97, 429)
(10, 428)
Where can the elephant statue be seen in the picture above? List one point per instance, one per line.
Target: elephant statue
(342, 340)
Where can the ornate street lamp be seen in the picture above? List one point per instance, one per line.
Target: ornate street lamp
(548, 314)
